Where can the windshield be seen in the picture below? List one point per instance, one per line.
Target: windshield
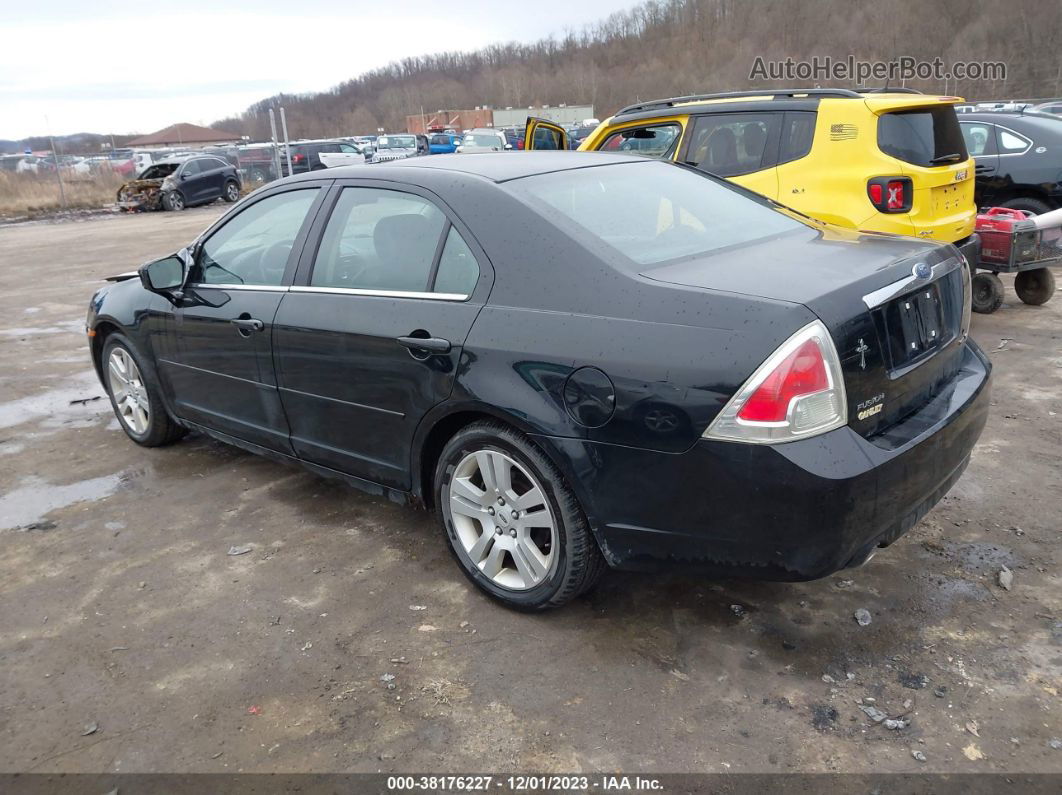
(923, 137)
(651, 212)
(482, 139)
(159, 170)
(396, 142)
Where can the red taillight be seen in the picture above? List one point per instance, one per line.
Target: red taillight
(890, 194)
(895, 194)
(796, 393)
(803, 372)
(297, 158)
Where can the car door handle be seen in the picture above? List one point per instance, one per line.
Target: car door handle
(432, 344)
(245, 324)
(984, 169)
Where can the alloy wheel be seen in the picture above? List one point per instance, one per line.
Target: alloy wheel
(503, 520)
(129, 391)
(232, 192)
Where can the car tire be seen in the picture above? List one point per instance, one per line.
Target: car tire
(987, 293)
(173, 201)
(232, 192)
(1035, 287)
(1028, 205)
(134, 395)
(530, 551)
(258, 176)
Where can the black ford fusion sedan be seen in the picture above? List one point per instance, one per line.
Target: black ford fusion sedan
(577, 360)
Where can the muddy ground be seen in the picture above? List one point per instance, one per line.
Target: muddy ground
(122, 615)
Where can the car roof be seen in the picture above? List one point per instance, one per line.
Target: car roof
(1037, 121)
(493, 166)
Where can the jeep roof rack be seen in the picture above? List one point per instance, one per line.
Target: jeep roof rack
(783, 93)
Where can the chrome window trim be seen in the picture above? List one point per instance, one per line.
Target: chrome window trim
(909, 283)
(381, 293)
(1016, 134)
(266, 288)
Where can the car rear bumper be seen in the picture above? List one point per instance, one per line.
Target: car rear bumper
(795, 511)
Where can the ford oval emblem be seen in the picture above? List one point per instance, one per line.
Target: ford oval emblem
(922, 271)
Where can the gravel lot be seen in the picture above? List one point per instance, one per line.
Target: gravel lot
(347, 640)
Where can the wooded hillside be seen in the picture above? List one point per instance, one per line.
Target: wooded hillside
(668, 47)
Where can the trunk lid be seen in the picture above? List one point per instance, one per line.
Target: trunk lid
(894, 307)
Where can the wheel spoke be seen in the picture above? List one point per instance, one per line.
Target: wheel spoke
(529, 561)
(462, 505)
(537, 519)
(117, 373)
(530, 499)
(480, 549)
(462, 487)
(492, 566)
(485, 461)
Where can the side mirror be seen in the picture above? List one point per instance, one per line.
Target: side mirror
(164, 276)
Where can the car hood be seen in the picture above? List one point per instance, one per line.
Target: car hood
(141, 184)
(803, 267)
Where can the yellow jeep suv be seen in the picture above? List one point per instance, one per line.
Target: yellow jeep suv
(876, 161)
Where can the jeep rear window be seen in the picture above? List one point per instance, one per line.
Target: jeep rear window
(923, 136)
(650, 211)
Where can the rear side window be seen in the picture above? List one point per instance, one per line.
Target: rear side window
(729, 144)
(655, 141)
(922, 137)
(1011, 142)
(379, 240)
(798, 132)
(651, 212)
(458, 270)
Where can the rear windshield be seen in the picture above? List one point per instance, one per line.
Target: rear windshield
(922, 137)
(482, 139)
(652, 212)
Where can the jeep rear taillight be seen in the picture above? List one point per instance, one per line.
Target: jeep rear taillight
(890, 194)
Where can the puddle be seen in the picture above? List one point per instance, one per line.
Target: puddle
(65, 327)
(55, 404)
(36, 497)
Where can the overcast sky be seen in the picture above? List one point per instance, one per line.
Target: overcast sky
(69, 66)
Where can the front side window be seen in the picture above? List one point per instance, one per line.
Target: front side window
(979, 138)
(191, 168)
(651, 212)
(656, 141)
(546, 138)
(379, 240)
(253, 247)
(922, 137)
(729, 144)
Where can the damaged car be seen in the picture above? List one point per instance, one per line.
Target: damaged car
(177, 183)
